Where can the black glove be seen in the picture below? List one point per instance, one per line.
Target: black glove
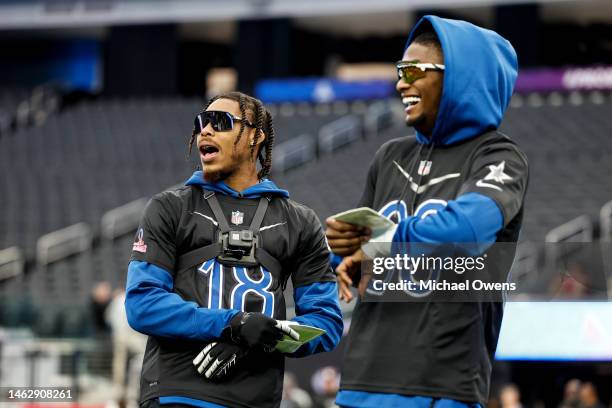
(217, 359)
(259, 330)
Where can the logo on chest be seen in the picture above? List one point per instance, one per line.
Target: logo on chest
(424, 167)
(424, 170)
(237, 217)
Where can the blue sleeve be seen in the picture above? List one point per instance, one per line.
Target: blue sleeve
(152, 308)
(334, 260)
(317, 305)
(471, 218)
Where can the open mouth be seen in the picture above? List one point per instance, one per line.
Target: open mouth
(208, 152)
(410, 102)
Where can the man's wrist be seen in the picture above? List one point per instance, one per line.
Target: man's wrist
(231, 330)
(235, 325)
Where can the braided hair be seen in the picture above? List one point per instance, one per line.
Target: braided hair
(264, 127)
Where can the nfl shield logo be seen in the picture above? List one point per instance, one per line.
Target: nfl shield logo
(237, 217)
(424, 167)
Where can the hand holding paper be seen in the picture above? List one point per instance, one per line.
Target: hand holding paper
(288, 344)
(382, 229)
(345, 238)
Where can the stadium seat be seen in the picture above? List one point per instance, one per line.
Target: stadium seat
(96, 157)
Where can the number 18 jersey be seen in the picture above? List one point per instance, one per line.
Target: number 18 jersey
(178, 221)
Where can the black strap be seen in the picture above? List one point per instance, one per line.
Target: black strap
(222, 221)
(216, 209)
(199, 255)
(202, 254)
(268, 261)
(259, 215)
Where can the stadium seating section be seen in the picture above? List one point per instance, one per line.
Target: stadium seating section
(22, 107)
(100, 155)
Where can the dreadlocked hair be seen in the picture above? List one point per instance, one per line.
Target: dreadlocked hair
(264, 127)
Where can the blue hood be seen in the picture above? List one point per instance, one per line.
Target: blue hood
(263, 187)
(481, 68)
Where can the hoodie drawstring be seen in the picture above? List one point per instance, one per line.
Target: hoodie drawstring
(418, 183)
(407, 184)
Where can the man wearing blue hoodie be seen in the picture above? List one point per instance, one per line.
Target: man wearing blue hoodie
(210, 295)
(457, 180)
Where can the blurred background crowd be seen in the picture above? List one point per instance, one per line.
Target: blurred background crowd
(97, 99)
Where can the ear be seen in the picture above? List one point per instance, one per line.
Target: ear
(262, 137)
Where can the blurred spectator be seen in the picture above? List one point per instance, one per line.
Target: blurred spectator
(293, 395)
(571, 394)
(575, 283)
(127, 343)
(589, 397)
(510, 397)
(101, 296)
(325, 382)
(579, 280)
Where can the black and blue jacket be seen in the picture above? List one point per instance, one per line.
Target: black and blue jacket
(181, 310)
(465, 183)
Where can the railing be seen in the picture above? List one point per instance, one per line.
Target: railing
(122, 220)
(11, 263)
(339, 133)
(580, 229)
(63, 243)
(605, 222)
(293, 153)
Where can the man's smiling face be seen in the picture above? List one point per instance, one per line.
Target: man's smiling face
(422, 97)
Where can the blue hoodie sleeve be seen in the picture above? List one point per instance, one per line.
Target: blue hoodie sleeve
(335, 260)
(317, 305)
(471, 218)
(153, 309)
(315, 289)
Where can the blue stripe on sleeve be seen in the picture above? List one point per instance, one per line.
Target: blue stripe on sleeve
(188, 401)
(317, 305)
(363, 399)
(473, 218)
(152, 308)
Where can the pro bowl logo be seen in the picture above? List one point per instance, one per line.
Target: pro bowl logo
(397, 211)
(139, 244)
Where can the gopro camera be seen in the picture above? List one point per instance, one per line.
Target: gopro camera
(238, 248)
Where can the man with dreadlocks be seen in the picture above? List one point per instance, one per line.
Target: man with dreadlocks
(210, 295)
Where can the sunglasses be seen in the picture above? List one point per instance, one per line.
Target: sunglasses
(219, 120)
(410, 71)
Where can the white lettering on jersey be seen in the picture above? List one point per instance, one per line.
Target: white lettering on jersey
(430, 207)
(426, 208)
(393, 208)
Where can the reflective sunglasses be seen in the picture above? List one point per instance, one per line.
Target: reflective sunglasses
(410, 71)
(219, 120)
